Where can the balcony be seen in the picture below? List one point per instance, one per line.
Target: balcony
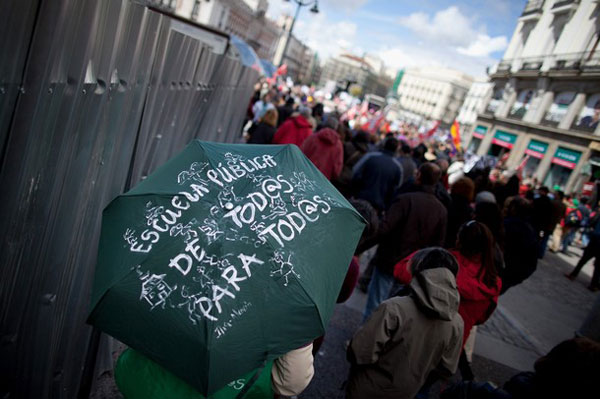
(585, 63)
(533, 10)
(561, 6)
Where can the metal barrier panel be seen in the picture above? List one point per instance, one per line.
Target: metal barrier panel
(97, 94)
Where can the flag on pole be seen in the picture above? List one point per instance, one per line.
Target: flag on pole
(434, 129)
(455, 132)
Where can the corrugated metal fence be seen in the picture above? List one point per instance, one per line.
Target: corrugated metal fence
(93, 96)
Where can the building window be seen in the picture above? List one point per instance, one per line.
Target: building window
(559, 108)
(495, 101)
(519, 109)
(588, 118)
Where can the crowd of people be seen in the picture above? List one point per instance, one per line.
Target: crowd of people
(450, 239)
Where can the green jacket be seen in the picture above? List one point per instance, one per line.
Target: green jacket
(140, 378)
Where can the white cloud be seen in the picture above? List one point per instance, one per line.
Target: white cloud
(484, 45)
(326, 37)
(451, 28)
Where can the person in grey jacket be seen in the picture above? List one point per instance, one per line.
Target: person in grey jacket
(407, 337)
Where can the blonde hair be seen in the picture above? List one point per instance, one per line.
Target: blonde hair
(270, 117)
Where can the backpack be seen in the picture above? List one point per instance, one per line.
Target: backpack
(573, 218)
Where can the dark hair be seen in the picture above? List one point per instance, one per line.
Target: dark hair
(317, 110)
(489, 214)
(560, 194)
(463, 187)
(583, 200)
(405, 148)
(544, 189)
(432, 258)
(369, 213)
(390, 144)
(518, 207)
(429, 174)
(476, 240)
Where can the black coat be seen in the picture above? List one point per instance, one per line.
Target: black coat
(520, 252)
(262, 134)
(459, 212)
(414, 221)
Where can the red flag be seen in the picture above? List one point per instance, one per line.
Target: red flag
(433, 129)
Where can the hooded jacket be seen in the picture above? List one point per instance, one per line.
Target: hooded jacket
(293, 131)
(406, 338)
(326, 151)
(477, 300)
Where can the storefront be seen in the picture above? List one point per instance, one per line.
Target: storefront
(563, 163)
(533, 156)
(502, 143)
(478, 135)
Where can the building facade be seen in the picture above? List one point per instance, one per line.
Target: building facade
(475, 101)
(544, 110)
(432, 94)
(348, 69)
(243, 18)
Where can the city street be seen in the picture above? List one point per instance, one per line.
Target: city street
(530, 319)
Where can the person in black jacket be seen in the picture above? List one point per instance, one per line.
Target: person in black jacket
(263, 132)
(520, 244)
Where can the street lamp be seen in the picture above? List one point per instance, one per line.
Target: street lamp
(299, 4)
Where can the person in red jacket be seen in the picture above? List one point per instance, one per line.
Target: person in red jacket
(295, 129)
(325, 149)
(477, 279)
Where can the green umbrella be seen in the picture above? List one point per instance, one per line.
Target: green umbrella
(228, 256)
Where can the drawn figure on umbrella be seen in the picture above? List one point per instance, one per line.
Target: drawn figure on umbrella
(193, 173)
(233, 159)
(227, 198)
(153, 212)
(283, 266)
(301, 182)
(187, 231)
(195, 305)
(202, 278)
(278, 208)
(155, 289)
(221, 263)
(211, 229)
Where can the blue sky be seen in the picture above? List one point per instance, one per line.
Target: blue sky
(467, 35)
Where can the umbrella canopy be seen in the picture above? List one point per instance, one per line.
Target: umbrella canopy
(228, 256)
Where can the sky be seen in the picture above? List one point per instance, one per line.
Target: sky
(467, 35)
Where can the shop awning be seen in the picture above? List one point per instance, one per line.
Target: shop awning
(536, 149)
(480, 131)
(504, 139)
(566, 157)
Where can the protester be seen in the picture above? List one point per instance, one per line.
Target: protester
(354, 150)
(409, 168)
(325, 149)
(408, 337)
(265, 130)
(285, 111)
(542, 220)
(377, 176)
(520, 244)
(460, 210)
(591, 251)
(572, 222)
(294, 130)
(558, 212)
(419, 219)
(569, 370)
(477, 279)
